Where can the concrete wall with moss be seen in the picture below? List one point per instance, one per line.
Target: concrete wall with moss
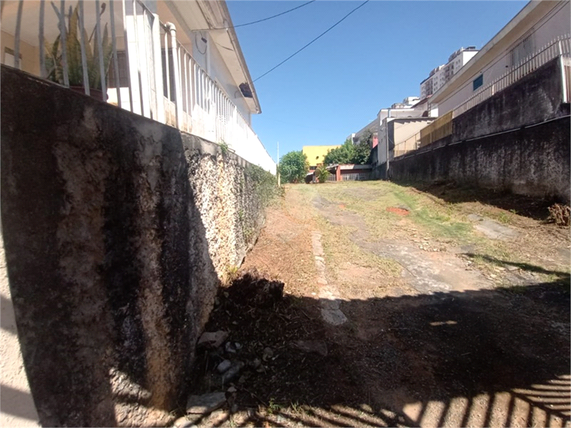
(117, 231)
(517, 140)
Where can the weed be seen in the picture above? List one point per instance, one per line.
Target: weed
(231, 273)
(297, 408)
(559, 214)
(248, 233)
(273, 407)
(505, 218)
(224, 147)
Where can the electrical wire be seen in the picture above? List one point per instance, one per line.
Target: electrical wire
(259, 20)
(311, 42)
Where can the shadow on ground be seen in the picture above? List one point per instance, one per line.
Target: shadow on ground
(532, 207)
(476, 358)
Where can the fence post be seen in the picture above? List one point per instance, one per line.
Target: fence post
(17, 35)
(102, 71)
(82, 41)
(114, 50)
(176, 71)
(43, 72)
(564, 82)
(63, 39)
(158, 65)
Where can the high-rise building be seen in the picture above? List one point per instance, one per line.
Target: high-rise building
(443, 73)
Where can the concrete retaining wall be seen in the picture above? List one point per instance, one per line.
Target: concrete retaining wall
(533, 161)
(117, 232)
(517, 140)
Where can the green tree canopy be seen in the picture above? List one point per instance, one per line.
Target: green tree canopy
(293, 167)
(349, 153)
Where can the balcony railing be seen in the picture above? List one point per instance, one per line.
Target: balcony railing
(559, 47)
(123, 54)
(442, 127)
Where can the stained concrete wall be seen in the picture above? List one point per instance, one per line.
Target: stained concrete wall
(117, 232)
(535, 98)
(517, 140)
(533, 161)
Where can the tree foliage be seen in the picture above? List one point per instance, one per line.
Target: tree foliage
(322, 173)
(350, 153)
(293, 167)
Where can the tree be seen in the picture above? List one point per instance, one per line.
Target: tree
(349, 153)
(293, 167)
(367, 138)
(322, 173)
(343, 154)
(362, 153)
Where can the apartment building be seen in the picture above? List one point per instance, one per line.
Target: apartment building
(443, 73)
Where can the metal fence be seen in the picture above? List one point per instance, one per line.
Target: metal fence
(442, 127)
(408, 145)
(149, 72)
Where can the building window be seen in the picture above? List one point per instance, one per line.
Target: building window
(478, 81)
(9, 58)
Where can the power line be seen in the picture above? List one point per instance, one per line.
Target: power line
(259, 20)
(314, 40)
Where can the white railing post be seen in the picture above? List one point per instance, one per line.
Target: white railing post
(17, 35)
(82, 43)
(564, 82)
(102, 71)
(176, 71)
(158, 69)
(43, 73)
(114, 50)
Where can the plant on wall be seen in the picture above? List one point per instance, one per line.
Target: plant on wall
(54, 57)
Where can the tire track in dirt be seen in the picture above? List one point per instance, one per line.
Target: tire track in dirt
(426, 272)
(328, 294)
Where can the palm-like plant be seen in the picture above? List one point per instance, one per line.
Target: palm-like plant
(54, 57)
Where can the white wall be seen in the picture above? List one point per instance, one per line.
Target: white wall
(555, 24)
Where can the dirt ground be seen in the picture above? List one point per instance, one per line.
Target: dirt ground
(401, 307)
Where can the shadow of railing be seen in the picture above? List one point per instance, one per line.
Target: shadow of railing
(450, 192)
(475, 358)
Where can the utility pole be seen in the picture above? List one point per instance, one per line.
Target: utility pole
(278, 165)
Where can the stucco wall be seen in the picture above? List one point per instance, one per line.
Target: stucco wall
(117, 232)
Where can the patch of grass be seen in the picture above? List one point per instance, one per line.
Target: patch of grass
(273, 407)
(339, 248)
(371, 200)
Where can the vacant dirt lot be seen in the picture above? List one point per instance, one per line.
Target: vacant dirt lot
(401, 308)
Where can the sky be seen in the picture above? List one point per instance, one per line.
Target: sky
(374, 58)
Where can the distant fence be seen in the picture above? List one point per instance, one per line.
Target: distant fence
(408, 145)
(356, 176)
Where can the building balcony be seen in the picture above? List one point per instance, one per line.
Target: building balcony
(158, 59)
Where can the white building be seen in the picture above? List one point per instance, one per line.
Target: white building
(176, 62)
(439, 76)
(537, 34)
